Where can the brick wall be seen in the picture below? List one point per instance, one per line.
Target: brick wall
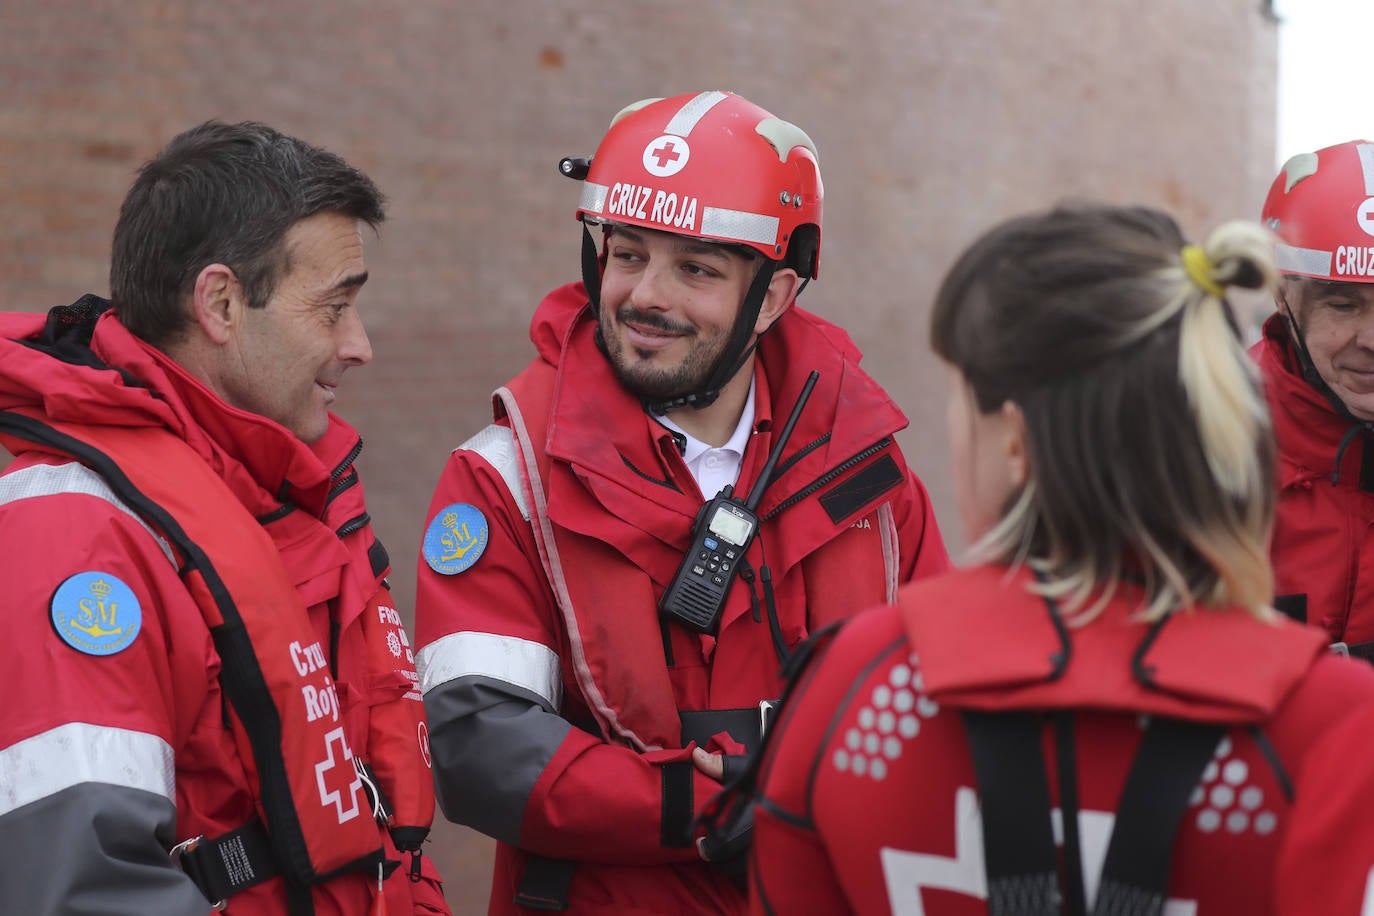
(933, 120)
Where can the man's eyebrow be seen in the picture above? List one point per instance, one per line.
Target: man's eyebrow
(681, 244)
(352, 281)
(695, 246)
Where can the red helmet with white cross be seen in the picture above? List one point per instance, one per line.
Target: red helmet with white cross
(1321, 206)
(710, 165)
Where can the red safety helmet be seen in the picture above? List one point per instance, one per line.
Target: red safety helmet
(710, 165)
(1321, 206)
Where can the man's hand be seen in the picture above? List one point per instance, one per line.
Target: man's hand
(712, 765)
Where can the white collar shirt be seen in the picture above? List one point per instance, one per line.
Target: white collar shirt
(713, 468)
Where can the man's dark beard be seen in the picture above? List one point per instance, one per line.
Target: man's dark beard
(689, 377)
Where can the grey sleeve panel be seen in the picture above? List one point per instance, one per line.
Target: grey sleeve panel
(490, 742)
(94, 848)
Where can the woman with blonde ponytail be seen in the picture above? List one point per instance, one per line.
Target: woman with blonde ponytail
(1101, 712)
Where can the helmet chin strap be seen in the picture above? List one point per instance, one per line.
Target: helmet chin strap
(730, 361)
(736, 353)
(1310, 373)
(591, 275)
(1314, 378)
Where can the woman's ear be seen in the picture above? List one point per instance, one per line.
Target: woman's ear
(1016, 443)
(217, 302)
(782, 292)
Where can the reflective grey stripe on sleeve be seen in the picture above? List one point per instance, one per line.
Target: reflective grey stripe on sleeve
(483, 735)
(77, 753)
(521, 662)
(52, 479)
(93, 849)
(496, 444)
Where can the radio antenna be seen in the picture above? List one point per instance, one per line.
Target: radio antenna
(759, 485)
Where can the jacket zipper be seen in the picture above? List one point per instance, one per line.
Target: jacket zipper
(351, 457)
(829, 476)
(356, 523)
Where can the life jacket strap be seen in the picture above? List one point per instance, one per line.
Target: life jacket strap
(545, 883)
(225, 865)
(1018, 842)
(746, 725)
(1361, 650)
(1014, 796)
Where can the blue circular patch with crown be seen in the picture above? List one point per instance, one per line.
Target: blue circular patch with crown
(96, 613)
(455, 539)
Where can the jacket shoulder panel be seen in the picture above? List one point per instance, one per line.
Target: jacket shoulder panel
(496, 445)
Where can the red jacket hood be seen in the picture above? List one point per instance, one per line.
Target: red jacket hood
(120, 380)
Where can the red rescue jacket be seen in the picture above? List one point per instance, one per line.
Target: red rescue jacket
(611, 505)
(309, 667)
(1323, 544)
(870, 802)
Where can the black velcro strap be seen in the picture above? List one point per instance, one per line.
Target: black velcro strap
(744, 725)
(1294, 606)
(545, 883)
(1014, 796)
(675, 830)
(858, 490)
(1361, 650)
(1066, 763)
(1164, 774)
(224, 866)
(378, 559)
(1367, 464)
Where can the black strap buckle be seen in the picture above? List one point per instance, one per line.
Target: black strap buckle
(381, 810)
(766, 708)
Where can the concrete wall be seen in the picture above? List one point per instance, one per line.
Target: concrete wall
(933, 121)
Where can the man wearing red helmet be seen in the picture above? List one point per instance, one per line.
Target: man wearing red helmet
(597, 647)
(1317, 356)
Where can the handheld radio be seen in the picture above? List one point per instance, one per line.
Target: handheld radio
(721, 534)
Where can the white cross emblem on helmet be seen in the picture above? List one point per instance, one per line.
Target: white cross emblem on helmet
(1365, 216)
(666, 155)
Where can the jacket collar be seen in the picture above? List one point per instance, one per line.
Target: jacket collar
(985, 642)
(130, 383)
(601, 429)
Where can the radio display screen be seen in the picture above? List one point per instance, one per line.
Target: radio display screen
(731, 527)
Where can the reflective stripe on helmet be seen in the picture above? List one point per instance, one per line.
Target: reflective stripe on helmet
(593, 197)
(1366, 151)
(688, 115)
(739, 225)
(1293, 260)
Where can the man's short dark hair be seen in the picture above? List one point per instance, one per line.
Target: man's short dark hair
(222, 193)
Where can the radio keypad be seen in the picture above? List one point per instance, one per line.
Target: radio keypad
(713, 561)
